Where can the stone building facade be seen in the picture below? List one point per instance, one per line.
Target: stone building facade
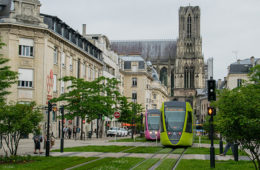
(42, 49)
(180, 64)
(141, 83)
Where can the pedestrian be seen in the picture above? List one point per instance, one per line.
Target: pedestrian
(52, 140)
(230, 144)
(78, 131)
(65, 131)
(74, 132)
(37, 143)
(69, 132)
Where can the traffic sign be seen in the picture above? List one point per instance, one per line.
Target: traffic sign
(117, 115)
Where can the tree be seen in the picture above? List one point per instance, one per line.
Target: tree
(238, 117)
(90, 99)
(15, 121)
(7, 77)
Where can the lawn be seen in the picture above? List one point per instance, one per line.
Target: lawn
(147, 164)
(56, 163)
(95, 149)
(207, 151)
(145, 149)
(138, 139)
(205, 139)
(167, 164)
(219, 165)
(178, 150)
(112, 164)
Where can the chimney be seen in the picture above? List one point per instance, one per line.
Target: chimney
(252, 61)
(84, 30)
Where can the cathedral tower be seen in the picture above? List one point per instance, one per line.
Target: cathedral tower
(189, 64)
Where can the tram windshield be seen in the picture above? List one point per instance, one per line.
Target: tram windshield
(174, 118)
(153, 122)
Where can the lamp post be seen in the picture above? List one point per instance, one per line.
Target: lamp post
(62, 126)
(47, 153)
(142, 125)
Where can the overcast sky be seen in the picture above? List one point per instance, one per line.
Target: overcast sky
(229, 28)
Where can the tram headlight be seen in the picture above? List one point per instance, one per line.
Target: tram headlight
(155, 132)
(150, 132)
(179, 133)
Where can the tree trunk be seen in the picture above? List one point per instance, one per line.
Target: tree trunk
(101, 129)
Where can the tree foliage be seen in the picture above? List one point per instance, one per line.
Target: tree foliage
(17, 120)
(238, 118)
(7, 77)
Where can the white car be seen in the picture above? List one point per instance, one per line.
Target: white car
(123, 132)
(113, 131)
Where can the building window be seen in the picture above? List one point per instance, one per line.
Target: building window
(25, 78)
(141, 65)
(134, 96)
(62, 87)
(154, 106)
(62, 59)
(71, 66)
(26, 47)
(239, 82)
(134, 82)
(163, 76)
(55, 56)
(54, 83)
(154, 96)
(189, 27)
(127, 65)
(188, 77)
(83, 70)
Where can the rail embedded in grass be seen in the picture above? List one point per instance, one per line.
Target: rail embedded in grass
(220, 165)
(147, 164)
(144, 149)
(166, 164)
(95, 148)
(112, 163)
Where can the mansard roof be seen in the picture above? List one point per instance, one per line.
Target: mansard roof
(150, 50)
(239, 68)
(58, 26)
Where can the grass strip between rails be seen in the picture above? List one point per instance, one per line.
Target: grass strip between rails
(40, 163)
(147, 164)
(167, 164)
(138, 139)
(144, 149)
(178, 151)
(95, 149)
(219, 165)
(112, 163)
(207, 151)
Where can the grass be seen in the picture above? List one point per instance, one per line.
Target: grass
(207, 151)
(138, 139)
(56, 163)
(95, 149)
(178, 151)
(112, 164)
(219, 165)
(205, 139)
(166, 164)
(147, 164)
(165, 150)
(144, 149)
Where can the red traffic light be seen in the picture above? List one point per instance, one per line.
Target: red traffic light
(84, 121)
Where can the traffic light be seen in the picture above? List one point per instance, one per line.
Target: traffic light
(211, 90)
(49, 106)
(211, 111)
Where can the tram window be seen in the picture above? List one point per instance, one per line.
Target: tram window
(189, 123)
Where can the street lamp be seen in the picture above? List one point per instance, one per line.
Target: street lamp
(62, 126)
(47, 153)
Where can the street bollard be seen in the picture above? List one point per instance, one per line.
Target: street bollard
(220, 144)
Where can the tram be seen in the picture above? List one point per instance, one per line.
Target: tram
(152, 122)
(176, 124)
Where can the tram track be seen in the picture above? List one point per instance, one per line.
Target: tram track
(160, 161)
(178, 160)
(156, 153)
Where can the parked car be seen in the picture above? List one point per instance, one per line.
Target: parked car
(123, 132)
(113, 131)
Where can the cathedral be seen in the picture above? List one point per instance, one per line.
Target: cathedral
(179, 63)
